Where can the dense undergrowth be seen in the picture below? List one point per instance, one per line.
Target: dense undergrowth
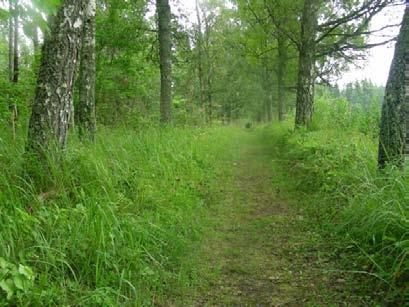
(116, 224)
(332, 169)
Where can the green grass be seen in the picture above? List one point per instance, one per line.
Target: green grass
(332, 170)
(117, 221)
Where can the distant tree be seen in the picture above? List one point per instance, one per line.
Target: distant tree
(165, 58)
(14, 40)
(267, 85)
(364, 93)
(274, 24)
(127, 67)
(394, 133)
(282, 59)
(16, 68)
(200, 57)
(204, 56)
(11, 41)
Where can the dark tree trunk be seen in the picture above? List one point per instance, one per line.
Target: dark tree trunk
(268, 107)
(306, 74)
(394, 133)
(53, 103)
(165, 54)
(229, 113)
(209, 96)
(16, 47)
(281, 66)
(209, 103)
(11, 42)
(85, 111)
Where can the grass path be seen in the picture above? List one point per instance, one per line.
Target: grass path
(260, 251)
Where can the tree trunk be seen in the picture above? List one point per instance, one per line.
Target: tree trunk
(165, 54)
(306, 74)
(11, 42)
(281, 66)
(394, 133)
(85, 110)
(16, 36)
(52, 108)
(209, 73)
(209, 97)
(268, 107)
(199, 47)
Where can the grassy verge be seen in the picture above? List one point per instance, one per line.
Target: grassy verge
(363, 213)
(118, 222)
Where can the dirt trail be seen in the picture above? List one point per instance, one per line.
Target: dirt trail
(260, 253)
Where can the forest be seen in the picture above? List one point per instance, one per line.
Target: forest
(202, 153)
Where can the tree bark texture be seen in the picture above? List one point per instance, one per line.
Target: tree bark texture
(394, 130)
(53, 103)
(85, 110)
(306, 74)
(165, 55)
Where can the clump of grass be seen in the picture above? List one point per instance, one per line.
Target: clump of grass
(333, 168)
(115, 221)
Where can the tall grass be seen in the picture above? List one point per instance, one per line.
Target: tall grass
(117, 221)
(333, 168)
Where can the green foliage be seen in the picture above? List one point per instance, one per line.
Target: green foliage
(334, 167)
(364, 93)
(117, 223)
(4, 14)
(47, 6)
(113, 223)
(338, 111)
(16, 95)
(15, 280)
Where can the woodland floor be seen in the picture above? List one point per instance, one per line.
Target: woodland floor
(262, 252)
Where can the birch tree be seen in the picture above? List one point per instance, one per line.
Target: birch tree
(53, 104)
